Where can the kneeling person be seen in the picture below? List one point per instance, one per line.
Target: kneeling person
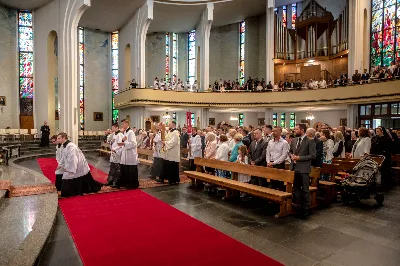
(76, 179)
(60, 167)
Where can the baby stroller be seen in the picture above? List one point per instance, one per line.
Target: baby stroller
(363, 182)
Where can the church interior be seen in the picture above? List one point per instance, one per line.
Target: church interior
(199, 132)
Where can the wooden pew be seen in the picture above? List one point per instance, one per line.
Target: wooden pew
(284, 198)
(326, 189)
(145, 156)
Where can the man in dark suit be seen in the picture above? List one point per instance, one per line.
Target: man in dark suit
(302, 151)
(319, 147)
(257, 155)
(246, 138)
(286, 84)
(184, 138)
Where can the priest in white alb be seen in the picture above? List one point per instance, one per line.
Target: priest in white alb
(129, 158)
(115, 158)
(172, 156)
(76, 179)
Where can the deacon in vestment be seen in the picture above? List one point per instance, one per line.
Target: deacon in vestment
(115, 158)
(172, 156)
(60, 162)
(129, 158)
(44, 141)
(156, 168)
(76, 179)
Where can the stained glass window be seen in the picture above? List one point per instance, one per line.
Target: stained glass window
(385, 39)
(283, 120)
(192, 119)
(241, 119)
(294, 15)
(275, 119)
(292, 120)
(114, 73)
(241, 44)
(192, 56)
(167, 56)
(174, 55)
(25, 47)
(81, 39)
(284, 16)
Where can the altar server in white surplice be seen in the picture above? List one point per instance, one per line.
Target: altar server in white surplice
(172, 156)
(115, 158)
(129, 158)
(76, 179)
(195, 146)
(156, 168)
(60, 162)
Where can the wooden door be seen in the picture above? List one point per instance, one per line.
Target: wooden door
(26, 122)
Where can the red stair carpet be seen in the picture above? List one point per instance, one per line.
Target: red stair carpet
(49, 166)
(133, 228)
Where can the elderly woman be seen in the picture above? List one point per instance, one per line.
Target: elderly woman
(327, 155)
(231, 138)
(235, 151)
(362, 146)
(338, 148)
(210, 150)
(222, 154)
(145, 140)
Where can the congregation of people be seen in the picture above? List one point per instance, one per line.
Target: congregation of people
(376, 74)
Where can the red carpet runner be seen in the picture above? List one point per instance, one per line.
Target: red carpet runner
(134, 228)
(49, 166)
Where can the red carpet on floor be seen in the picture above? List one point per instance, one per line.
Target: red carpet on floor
(49, 165)
(133, 228)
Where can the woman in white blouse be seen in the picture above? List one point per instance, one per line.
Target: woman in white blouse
(222, 154)
(362, 146)
(327, 155)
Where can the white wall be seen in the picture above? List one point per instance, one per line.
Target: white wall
(331, 118)
(97, 79)
(155, 57)
(9, 69)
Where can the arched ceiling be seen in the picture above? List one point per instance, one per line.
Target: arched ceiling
(169, 15)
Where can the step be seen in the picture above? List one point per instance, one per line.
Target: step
(26, 223)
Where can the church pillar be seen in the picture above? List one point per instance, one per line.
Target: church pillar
(203, 42)
(352, 114)
(132, 47)
(204, 117)
(268, 116)
(138, 117)
(358, 36)
(71, 12)
(270, 37)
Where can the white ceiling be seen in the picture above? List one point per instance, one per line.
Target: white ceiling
(111, 15)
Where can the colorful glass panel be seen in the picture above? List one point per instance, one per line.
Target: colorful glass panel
(292, 120)
(388, 58)
(26, 65)
(114, 80)
(283, 120)
(294, 15)
(167, 55)
(275, 119)
(81, 53)
(242, 51)
(114, 54)
(25, 39)
(388, 40)
(390, 17)
(377, 20)
(284, 16)
(25, 19)
(114, 73)
(114, 41)
(377, 4)
(26, 87)
(191, 56)
(398, 14)
(241, 119)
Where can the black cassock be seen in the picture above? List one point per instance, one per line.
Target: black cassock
(44, 141)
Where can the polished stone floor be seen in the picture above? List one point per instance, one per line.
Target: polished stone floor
(338, 235)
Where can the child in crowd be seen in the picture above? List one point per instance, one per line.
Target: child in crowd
(243, 159)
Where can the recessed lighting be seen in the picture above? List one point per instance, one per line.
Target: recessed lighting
(341, 56)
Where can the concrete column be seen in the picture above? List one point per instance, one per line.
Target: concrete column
(137, 117)
(352, 115)
(61, 16)
(268, 116)
(270, 37)
(359, 34)
(133, 34)
(204, 117)
(203, 41)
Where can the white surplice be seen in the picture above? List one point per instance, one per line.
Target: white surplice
(128, 152)
(157, 146)
(195, 147)
(113, 139)
(172, 147)
(60, 160)
(74, 162)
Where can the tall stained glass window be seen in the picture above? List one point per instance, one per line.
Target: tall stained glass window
(294, 15)
(174, 55)
(275, 119)
(81, 39)
(25, 46)
(242, 42)
(192, 56)
(193, 120)
(292, 120)
(284, 16)
(385, 32)
(241, 119)
(114, 72)
(167, 56)
(283, 120)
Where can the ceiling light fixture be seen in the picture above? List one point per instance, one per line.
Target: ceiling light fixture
(166, 116)
(234, 118)
(310, 116)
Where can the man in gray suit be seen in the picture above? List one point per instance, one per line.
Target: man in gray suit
(302, 150)
(257, 155)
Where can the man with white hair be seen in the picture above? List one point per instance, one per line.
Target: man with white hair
(319, 146)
